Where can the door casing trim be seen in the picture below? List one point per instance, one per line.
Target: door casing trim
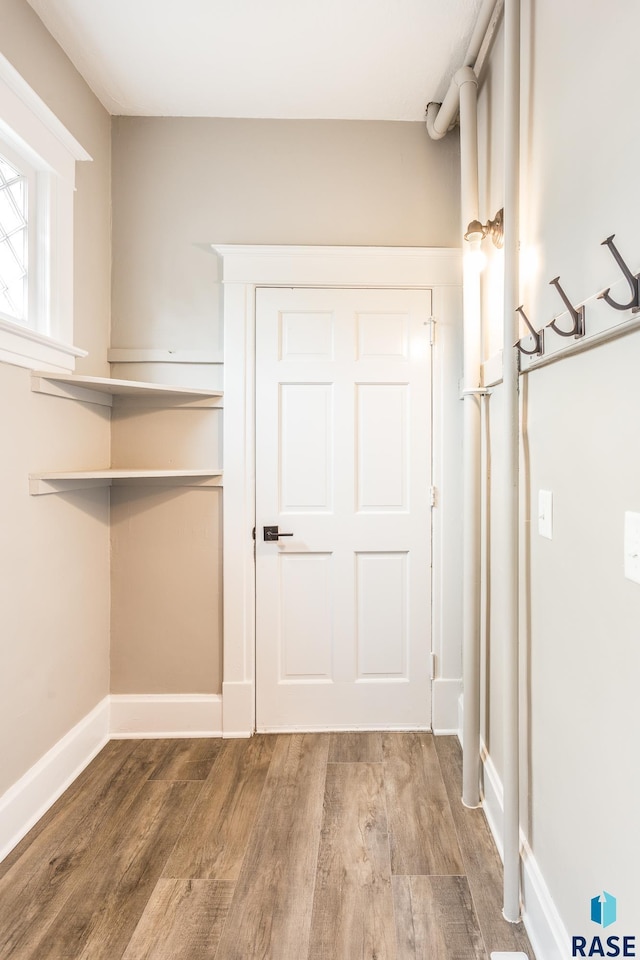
(243, 268)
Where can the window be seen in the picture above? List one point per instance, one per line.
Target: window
(14, 247)
(37, 176)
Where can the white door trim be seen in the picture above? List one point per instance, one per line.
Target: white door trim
(243, 268)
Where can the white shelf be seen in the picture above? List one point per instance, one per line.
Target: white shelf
(61, 482)
(103, 390)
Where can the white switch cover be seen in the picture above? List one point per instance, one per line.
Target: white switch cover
(545, 514)
(632, 546)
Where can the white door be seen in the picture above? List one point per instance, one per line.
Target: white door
(343, 461)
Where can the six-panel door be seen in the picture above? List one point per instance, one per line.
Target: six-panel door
(343, 460)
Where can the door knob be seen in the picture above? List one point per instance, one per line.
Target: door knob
(271, 534)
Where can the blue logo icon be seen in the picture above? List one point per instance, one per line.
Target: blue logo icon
(603, 909)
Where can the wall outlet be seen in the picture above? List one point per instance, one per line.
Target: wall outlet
(632, 546)
(545, 514)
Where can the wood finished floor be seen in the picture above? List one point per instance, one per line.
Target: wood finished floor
(290, 847)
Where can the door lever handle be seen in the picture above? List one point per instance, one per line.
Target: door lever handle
(271, 534)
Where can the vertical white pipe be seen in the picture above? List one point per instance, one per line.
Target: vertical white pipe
(511, 907)
(467, 82)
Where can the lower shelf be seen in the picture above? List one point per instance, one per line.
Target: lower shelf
(41, 483)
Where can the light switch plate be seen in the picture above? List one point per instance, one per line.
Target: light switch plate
(545, 514)
(632, 546)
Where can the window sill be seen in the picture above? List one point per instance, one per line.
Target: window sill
(27, 348)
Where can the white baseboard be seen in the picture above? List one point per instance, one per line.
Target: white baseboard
(29, 799)
(492, 798)
(542, 921)
(137, 716)
(444, 707)
(547, 932)
(346, 728)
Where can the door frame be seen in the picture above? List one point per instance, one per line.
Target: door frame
(243, 268)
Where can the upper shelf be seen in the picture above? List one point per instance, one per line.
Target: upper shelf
(64, 481)
(103, 390)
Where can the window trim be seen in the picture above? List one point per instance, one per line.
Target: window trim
(31, 130)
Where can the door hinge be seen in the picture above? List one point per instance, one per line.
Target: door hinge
(434, 666)
(432, 330)
(433, 496)
(253, 533)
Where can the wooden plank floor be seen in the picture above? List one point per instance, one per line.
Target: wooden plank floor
(292, 847)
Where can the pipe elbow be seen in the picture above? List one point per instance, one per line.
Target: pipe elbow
(442, 116)
(433, 109)
(465, 75)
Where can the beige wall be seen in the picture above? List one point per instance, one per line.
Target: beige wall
(166, 583)
(178, 186)
(580, 649)
(54, 558)
(181, 184)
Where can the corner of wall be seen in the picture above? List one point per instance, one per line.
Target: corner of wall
(113, 718)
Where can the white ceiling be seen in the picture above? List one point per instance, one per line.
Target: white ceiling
(329, 59)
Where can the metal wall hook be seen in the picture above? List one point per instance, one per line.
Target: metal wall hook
(633, 281)
(538, 336)
(576, 313)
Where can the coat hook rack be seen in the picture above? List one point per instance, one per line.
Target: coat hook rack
(538, 336)
(633, 281)
(576, 313)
